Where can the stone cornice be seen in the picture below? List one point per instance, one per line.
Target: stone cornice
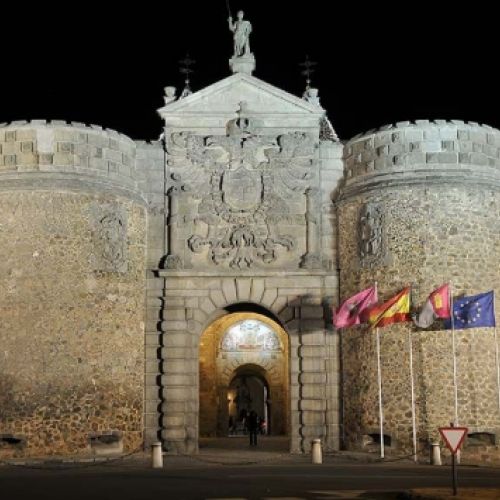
(398, 180)
(252, 273)
(64, 182)
(196, 103)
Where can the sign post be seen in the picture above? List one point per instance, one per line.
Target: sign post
(453, 438)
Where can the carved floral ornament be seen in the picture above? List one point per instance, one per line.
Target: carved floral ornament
(243, 182)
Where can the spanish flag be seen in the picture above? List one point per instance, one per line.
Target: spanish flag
(395, 310)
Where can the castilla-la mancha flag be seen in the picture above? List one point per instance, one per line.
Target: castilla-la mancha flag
(436, 306)
(395, 310)
(348, 314)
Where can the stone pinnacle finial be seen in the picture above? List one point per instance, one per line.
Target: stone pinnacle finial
(308, 70)
(310, 94)
(170, 94)
(185, 69)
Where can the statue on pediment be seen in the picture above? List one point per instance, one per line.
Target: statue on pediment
(241, 29)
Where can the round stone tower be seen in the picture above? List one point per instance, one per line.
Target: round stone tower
(420, 206)
(72, 281)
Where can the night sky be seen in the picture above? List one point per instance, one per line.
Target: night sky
(377, 64)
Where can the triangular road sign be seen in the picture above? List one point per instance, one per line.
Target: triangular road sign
(453, 437)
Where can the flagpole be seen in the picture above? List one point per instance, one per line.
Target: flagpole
(380, 411)
(496, 354)
(413, 422)
(455, 387)
(379, 379)
(342, 376)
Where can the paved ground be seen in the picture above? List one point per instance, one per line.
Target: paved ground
(235, 471)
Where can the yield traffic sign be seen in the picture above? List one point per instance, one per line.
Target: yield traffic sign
(453, 437)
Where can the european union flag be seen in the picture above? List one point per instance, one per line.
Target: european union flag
(475, 311)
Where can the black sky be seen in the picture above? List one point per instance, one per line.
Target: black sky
(377, 63)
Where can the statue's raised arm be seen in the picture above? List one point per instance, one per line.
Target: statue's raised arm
(241, 29)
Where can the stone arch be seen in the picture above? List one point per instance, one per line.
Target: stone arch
(218, 367)
(281, 311)
(235, 292)
(310, 355)
(264, 370)
(259, 382)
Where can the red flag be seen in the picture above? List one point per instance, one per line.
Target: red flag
(348, 314)
(436, 306)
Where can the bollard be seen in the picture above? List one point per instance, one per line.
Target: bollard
(435, 454)
(316, 454)
(156, 455)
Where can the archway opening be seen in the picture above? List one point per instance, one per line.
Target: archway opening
(243, 367)
(249, 391)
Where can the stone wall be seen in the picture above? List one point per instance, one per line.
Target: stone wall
(73, 239)
(150, 163)
(420, 207)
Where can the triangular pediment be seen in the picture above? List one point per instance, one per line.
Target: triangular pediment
(224, 96)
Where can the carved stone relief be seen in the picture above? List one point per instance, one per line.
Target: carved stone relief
(243, 186)
(109, 239)
(371, 244)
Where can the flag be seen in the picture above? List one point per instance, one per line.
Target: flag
(395, 310)
(436, 306)
(473, 312)
(348, 314)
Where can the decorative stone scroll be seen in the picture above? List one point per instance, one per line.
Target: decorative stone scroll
(109, 239)
(243, 185)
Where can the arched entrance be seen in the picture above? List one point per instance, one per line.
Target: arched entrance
(248, 391)
(243, 367)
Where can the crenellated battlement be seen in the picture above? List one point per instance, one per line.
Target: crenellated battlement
(50, 153)
(423, 124)
(64, 123)
(424, 151)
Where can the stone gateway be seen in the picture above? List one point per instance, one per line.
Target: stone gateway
(164, 290)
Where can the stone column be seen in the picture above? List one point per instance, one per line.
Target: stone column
(295, 413)
(332, 363)
(174, 257)
(308, 379)
(152, 397)
(312, 378)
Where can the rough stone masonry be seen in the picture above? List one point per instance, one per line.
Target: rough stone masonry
(124, 262)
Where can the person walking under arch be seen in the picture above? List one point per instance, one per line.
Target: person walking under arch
(252, 426)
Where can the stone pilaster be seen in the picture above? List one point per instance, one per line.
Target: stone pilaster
(312, 377)
(152, 396)
(179, 378)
